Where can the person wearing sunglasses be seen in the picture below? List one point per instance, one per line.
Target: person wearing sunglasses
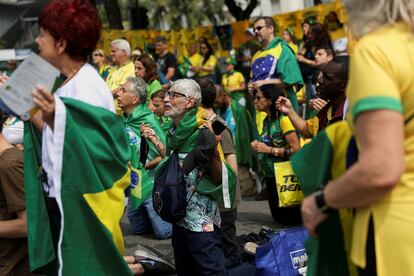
(101, 63)
(276, 63)
(208, 65)
(276, 143)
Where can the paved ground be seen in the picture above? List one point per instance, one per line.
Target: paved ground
(251, 216)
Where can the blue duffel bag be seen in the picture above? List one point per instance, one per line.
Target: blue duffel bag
(284, 254)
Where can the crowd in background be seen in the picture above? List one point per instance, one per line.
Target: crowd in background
(271, 98)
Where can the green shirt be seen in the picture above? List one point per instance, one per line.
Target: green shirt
(273, 134)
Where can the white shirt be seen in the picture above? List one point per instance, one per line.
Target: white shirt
(87, 86)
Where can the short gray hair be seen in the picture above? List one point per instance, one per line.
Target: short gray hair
(138, 88)
(368, 15)
(122, 44)
(188, 87)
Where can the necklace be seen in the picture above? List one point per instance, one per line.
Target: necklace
(71, 76)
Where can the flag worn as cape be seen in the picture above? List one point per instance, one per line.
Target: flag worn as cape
(90, 174)
(279, 61)
(318, 162)
(142, 181)
(243, 133)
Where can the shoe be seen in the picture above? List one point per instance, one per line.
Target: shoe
(265, 231)
(250, 248)
(153, 262)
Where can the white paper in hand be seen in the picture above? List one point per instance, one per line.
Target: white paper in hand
(16, 94)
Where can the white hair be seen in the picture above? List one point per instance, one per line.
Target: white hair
(122, 44)
(188, 87)
(368, 15)
(138, 87)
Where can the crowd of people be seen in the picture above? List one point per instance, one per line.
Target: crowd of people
(268, 103)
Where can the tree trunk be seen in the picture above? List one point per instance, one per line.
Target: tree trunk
(114, 14)
(238, 13)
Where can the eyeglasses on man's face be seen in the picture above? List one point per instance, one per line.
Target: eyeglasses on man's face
(258, 28)
(173, 94)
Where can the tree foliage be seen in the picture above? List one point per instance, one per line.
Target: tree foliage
(177, 14)
(236, 9)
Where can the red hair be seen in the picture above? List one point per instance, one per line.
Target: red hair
(74, 21)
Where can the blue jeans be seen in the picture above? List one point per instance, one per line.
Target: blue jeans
(201, 253)
(145, 220)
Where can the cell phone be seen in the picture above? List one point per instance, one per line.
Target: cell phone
(218, 126)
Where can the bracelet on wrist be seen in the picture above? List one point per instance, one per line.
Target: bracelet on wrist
(321, 203)
(287, 152)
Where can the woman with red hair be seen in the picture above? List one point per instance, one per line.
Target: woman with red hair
(69, 32)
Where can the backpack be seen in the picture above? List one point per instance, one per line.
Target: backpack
(169, 193)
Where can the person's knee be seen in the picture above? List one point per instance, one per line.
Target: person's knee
(163, 232)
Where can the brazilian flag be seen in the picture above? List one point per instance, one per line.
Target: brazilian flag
(324, 159)
(90, 174)
(142, 180)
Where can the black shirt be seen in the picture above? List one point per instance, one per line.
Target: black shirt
(165, 62)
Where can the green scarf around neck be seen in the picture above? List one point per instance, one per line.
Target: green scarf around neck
(186, 132)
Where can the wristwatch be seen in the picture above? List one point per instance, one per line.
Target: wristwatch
(321, 204)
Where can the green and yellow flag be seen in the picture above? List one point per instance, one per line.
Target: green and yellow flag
(90, 174)
(318, 162)
(142, 180)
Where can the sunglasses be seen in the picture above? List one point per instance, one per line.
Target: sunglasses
(97, 55)
(259, 28)
(173, 94)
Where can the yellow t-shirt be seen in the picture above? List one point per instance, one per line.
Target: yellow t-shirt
(294, 47)
(211, 62)
(313, 123)
(117, 77)
(381, 77)
(196, 59)
(233, 81)
(286, 125)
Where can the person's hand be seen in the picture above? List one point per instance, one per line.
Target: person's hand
(250, 90)
(283, 105)
(301, 58)
(208, 125)
(260, 147)
(147, 131)
(317, 103)
(311, 215)
(259, 83)
(3, 79)
(46, 103)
